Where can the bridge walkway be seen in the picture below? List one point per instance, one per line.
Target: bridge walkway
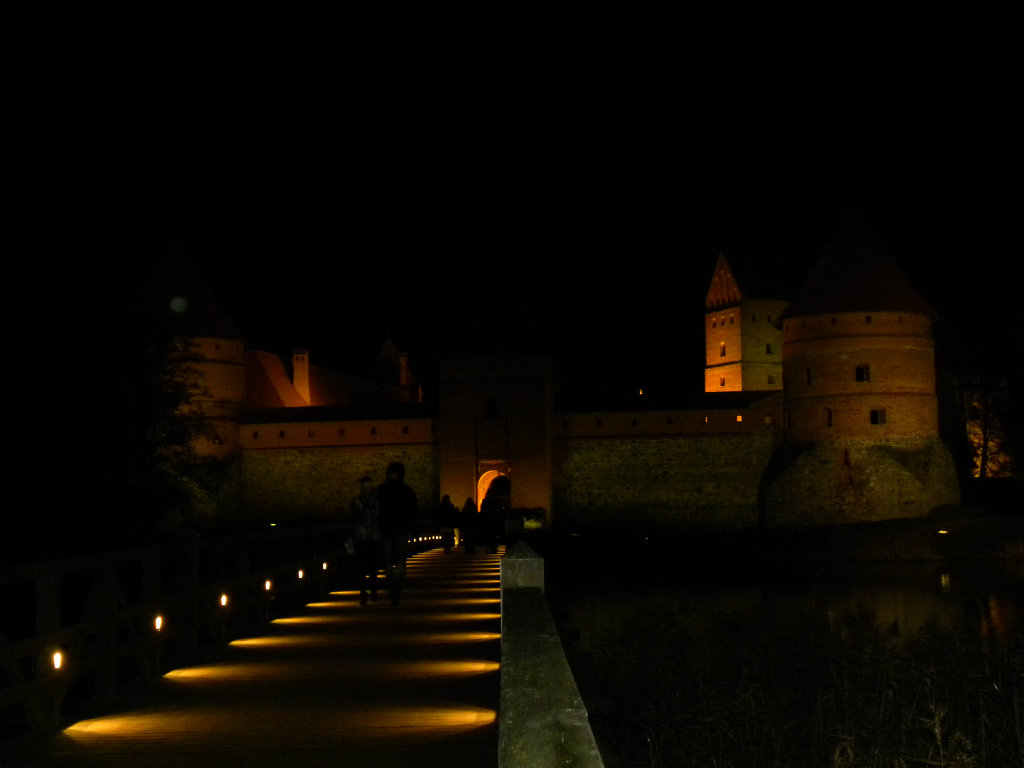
(338, 685)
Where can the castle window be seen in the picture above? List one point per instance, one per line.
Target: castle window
(310, 433)
(807, 375)
(878, 415)
(341, 432)
(769, 318)
(281, 433)
(863, 373)
(867, 318)
(669, 421)
(767, 421)
(405, 430)
(256, 435)
(600, 423)
(721, 349)
(739, 417)
(828, 417)
(714, 323)
(833, 319)
(731, 319)
(768, 348)
(753, 318)
(373, 430)
(721, 381)
(771, 379)
(634, 422)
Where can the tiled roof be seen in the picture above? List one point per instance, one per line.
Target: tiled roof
(856, 273)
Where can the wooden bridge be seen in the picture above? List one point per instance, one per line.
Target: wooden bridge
(335, 684)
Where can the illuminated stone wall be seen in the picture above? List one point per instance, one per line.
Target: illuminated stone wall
(662, 481)
(847, 481)
(320, 482)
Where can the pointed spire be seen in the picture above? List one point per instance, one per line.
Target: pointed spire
(724, 289)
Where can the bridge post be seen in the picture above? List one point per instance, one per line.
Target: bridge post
(543, 720)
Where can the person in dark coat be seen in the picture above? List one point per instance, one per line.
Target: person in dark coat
(399, 519)
(366, 538)
(447, 522)
(468, 519)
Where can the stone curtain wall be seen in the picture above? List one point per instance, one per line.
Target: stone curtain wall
(853, 481)
(305, 483)
(699, 481)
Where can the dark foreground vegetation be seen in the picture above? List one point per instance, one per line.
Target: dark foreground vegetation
(796, 688)
(844, 692)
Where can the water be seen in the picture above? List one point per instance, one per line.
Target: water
(709, 655)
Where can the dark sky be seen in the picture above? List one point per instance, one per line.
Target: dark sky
(523, 184)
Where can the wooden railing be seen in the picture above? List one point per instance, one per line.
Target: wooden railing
(118, 618)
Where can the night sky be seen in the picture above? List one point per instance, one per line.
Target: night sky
(491, 185)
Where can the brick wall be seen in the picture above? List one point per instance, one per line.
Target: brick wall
(301, 483)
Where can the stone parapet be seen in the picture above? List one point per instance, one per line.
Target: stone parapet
(543, 720)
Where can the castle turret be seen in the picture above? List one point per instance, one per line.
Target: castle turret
(861, 414)
(184, 307)
(743, 345)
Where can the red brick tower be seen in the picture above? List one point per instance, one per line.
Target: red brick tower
(859, 379)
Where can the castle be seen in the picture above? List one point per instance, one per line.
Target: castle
(817, 410)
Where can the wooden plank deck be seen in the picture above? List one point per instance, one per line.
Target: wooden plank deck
(340, 685)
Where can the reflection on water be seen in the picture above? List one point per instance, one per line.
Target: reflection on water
(868, 664)
(986, 597)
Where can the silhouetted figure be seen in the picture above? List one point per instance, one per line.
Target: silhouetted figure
(492, 517)
(399, 519)
(447, 522)
(468, 519)
(366, 538)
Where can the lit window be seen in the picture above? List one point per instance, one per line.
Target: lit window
(739, 417)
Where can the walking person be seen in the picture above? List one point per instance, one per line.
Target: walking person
(447, 522)
(399, 519)
(366, 538)
(468, 524)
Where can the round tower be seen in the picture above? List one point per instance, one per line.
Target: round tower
(861, 415)
(208, 346)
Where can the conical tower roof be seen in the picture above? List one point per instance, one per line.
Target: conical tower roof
(177, 297)
(856, 273)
